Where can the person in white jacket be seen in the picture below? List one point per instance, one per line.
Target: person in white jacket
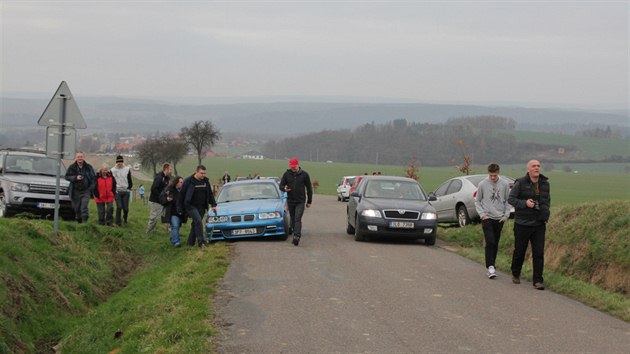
(122, 174)
(492, 205)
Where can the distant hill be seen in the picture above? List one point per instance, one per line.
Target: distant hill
(290, 118)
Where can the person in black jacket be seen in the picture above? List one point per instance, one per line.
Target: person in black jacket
(531, 199)
(297, 183)
(173, 213)
(197, 195)
(160, 181)
(82, 182)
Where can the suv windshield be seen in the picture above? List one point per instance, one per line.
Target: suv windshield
(31, 164)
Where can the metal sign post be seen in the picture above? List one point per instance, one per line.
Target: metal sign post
(61, 116)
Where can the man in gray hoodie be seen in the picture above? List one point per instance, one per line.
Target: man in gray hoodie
(492, 205)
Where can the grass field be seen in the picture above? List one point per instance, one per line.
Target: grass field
(591, 148)
(567, 188)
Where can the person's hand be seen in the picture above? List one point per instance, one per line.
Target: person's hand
(287, 189)
(79, 177)
(530, 203)
(214, 210)
(485, 217)
(503, 219)
(308, 205)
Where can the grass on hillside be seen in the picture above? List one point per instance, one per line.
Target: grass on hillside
(591, 148)
(69, 286)
(587, 253)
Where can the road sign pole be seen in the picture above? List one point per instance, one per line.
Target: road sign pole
(62, 115)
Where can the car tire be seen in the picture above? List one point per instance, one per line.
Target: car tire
(287, 227)
(462, 216)
(358, 235)
(349, 229)
(4, 209)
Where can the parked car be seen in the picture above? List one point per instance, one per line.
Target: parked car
(393, 207)
(28, 183)
(455, 199)
(249, 209)
(343, 187)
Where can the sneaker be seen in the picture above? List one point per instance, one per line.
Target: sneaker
(516, 280)
(492, 273)
(539, 286)
(296, 240)
(177, 245)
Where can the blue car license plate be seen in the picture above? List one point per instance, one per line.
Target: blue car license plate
(239, 232)
(401, 225)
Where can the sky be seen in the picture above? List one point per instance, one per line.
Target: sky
(544, 53)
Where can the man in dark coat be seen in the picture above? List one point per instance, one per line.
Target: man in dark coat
(159, 183)
(197, 195)
(82, 182)
(297, 183)
(531, 199)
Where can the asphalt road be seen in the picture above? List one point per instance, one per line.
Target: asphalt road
(334, 295)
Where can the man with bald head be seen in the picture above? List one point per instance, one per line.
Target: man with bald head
(531, 200)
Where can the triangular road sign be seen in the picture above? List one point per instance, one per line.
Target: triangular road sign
(52, 115)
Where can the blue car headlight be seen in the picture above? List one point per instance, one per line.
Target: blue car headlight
(428, 216)
(19, 187)
(216, 219)
(269, 215)
(372, 213)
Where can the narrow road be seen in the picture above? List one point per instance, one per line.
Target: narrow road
(332, 294)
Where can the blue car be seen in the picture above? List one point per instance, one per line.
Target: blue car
(249, 209)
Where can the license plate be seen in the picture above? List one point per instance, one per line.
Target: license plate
(400, 225)
(46, 205)
(244, 231)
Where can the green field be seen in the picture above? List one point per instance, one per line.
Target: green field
(567, 188)
(590, 148)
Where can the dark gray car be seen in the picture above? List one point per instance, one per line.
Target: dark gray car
(392, 207)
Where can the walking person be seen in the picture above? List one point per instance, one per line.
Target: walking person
(122, 174)
(104, 194)
(297, 183)
(492, 206)
(198, 195)
(531, 199)
(141, 192)
(173, 212)
(226, 178)
(160, 181)
(82, 180)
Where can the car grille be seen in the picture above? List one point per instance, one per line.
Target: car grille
(47, 189)
(240, 218)
(401, 214)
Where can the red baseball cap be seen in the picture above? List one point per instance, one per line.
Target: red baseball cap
(293, 163)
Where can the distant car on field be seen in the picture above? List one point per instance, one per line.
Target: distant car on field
(455, 199)
(343, 187)
(393, 207)
(249, 209)
(28, 183)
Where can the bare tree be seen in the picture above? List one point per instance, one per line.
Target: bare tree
(199, 136)
(173, 149)
(150, 153)
(412, 169)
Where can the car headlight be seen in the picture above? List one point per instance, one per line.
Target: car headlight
(215, 219)
(428, 216)
(371, 213)
(271, 215)
(19, 187)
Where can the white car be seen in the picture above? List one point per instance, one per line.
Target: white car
(343, 187)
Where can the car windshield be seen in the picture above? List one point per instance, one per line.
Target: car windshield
(29, 164)
(247, 191)
(394, 190)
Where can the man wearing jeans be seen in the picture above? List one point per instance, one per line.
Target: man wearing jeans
(492, 205)
(122, 174)
(531, 199)
(297, 183)
(160, 181)
(198, 195)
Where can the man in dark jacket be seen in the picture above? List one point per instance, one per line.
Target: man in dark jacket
(531, 199)
(82, 182)
(159, 183)
(297, 183)
(197, 195)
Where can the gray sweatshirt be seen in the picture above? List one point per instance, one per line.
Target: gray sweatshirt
(492, 199)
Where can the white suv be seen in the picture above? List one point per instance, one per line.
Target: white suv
(28, 182)
(343, 187)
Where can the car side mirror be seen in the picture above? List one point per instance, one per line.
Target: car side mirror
(355, 194)
(432, 197)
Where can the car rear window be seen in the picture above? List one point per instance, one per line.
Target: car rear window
(476, 179)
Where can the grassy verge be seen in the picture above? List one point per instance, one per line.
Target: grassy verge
(587, 253)
(101, 288)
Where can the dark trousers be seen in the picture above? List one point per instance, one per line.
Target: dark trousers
(491, 234)
(80, 201)
(122, 206)
(523, 235)
(197, 227)
(105, 213)
(296, 210)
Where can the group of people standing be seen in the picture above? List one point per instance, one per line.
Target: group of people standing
(530, 196)
(106, 187)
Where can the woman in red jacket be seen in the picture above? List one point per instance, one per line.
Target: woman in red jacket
(104, 192)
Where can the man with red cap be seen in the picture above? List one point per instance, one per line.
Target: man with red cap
(297, 183)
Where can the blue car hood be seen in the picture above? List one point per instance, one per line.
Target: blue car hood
(249, 206)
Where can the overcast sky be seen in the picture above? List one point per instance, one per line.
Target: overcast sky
(538, 52)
